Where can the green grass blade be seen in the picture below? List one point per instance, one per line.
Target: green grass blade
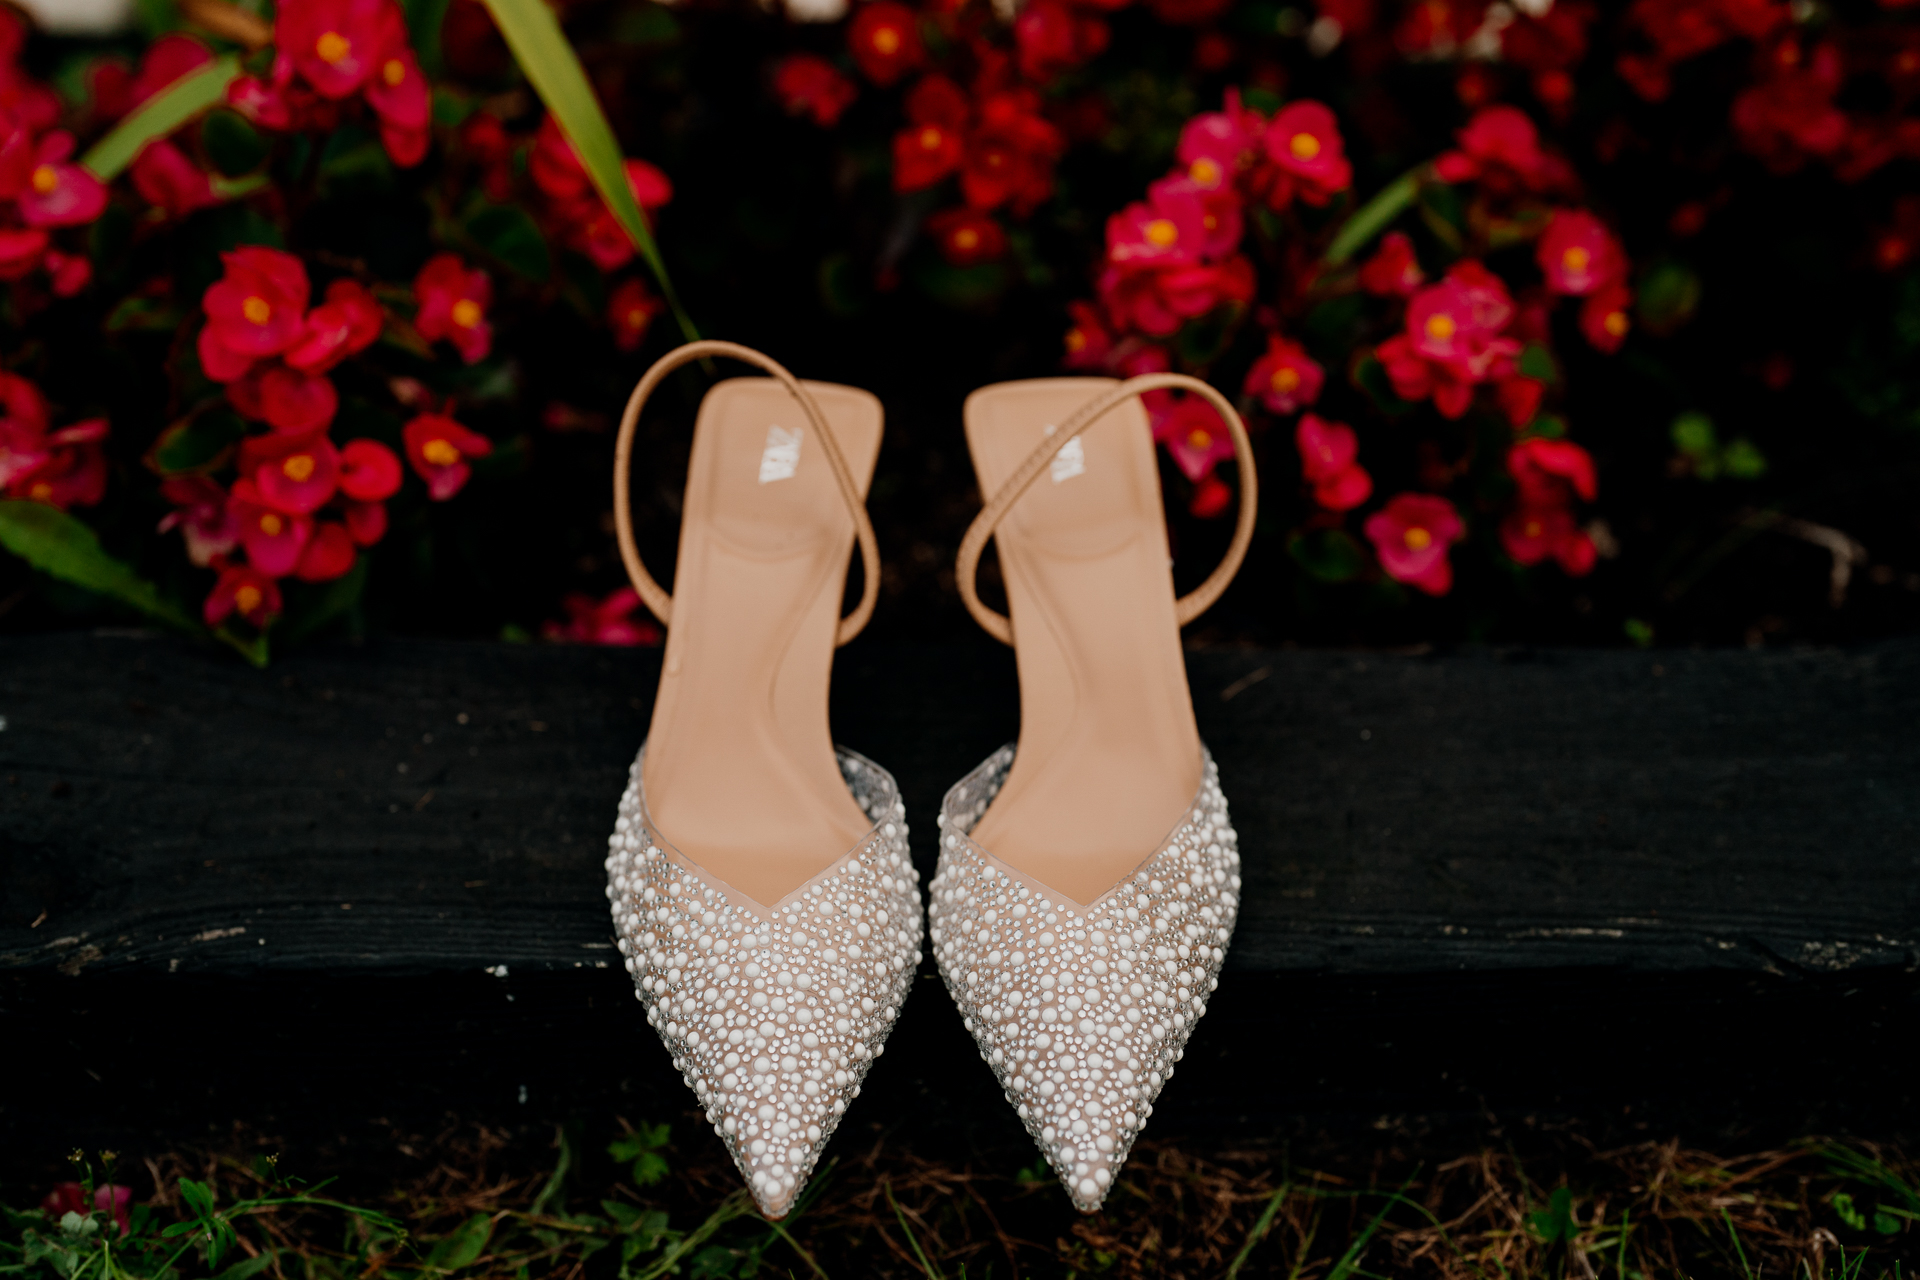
(1349, 1264)
(1373, 217)
(62, 546)
(541, 48)
(932, 1272)
(1259, 1231)
(160, 115)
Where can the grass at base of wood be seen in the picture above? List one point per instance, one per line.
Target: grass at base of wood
(504, 1203)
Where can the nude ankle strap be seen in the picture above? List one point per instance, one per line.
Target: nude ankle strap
(656, 598)
(1189, 606)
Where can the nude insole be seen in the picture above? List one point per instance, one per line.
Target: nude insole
(740, 774)
(1108, 758)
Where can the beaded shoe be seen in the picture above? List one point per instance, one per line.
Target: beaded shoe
(1089, 877)
(758, 876)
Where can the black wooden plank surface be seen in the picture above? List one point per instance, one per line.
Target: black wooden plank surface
(422, 807)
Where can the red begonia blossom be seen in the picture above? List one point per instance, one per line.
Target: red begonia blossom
(369, 471)
(1452, 340)
(349, 321)
(21, 250)
(1010, 152)
(1682, 29)
(1052, 37)
(329, 553)
(24, 420)
(1577, 254)
(1211, 497)
(1169, 230)
(1603, 316)
(1222, 222)
(291, 402)
(1393, 270)
(884, 38)
(58, 194)
(608, 621)
(337, 45)
(1156, 302)
(169, 181)
(1411, 535)
(1790, 115)
(585, 221)
(438, 447)
(630, 312)
(1193, 433)
(1500, 148)
(809, 85)
(243, 589)
(1285, 378)
(273, 539)
(1303, 142)
(934, 141)
(165, 61)
(71, 1197)
(1519, 398)
(1531, 534)
(453, 305)
(967, 237)
(258, 308)
(73, 472)
(202, 515)
(366, 522)
(1551, 472)
(1088, 341)
(67, 273)
(300, 480)
(1328, 453)
(1218, 146)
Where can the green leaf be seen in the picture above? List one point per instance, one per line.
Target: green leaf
(1371, 377)
(1555, 1222)
(509, 234)
(464, 1245)
(1331, 555)
(1667, 297)
(247, 1267)
(1693, 435)
(1639, 633)
(1375, 216)
(424, 20)
(234, 146)
(60, 545)
(1885, 1223)
(1537, 362)
(643, 1147)
(1743, 460)
(541, 48)
(332, 600)
(166, 111)
(354, 161)
(197, 443)
(1843, 1205)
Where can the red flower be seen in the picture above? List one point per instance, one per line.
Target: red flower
(1393, 269)
(329, 554)
(71, 1197)
(398, 92)
(201, 514)
(273, 539)
(1216, 146)
(23, 428)
(809, 85)
(1286, 378)
(967, 237)
(166, 179)
(1169, 231)
(1303, 142)
(608, 621)
(1088, 342)
(1210, 497)
(884, 38)
(349, 321)
(554, 164)
(59, 194)
(21, 249)
(1604, 319)
(1157, 302)
(258, 308)
(166, 60)
(68, 273)
(1577, 253)
(366, 522)
(1193, 434)
(72, 470)
(453, 305)
(1531, 534)
(1221, 222)
(600, 234)
(438, 447)
(291, 402)
(1520, 399)
(336, 45)
(933, 143)
(1010, 153)
(1051, 38)
(1411, 535)
(630, 312)
(1327, 458)
(1790, 116)
(299, 479)
(369, 471)
(1551, 472)
(251, 593)
(1501, 148)
(1455, 324)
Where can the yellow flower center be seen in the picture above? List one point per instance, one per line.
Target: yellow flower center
(1576, 258)
(1440, 326)
(257, 310)
(45, 179)
(1286, 378)
(1198, 439)
(298, 468)
(41, 491)
(247, 598)
(440, 453)
(271, 524)
(1616, 323)
(1304, 146)
(636, 318)
(930, 138)
(1417, 539)
(1161, 232)
(332, 47)
(1205, 172)
(1076, 340)
(1532, 529)
(886, 42)
(394, 72)
(966, 239)
(466, 313)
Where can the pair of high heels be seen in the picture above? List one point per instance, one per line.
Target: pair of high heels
(760, 880)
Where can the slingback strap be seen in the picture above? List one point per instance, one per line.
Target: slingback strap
(656, 598)
(1189, 606)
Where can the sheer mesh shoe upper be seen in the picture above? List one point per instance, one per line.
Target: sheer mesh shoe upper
(1082, 1011)
(773, 1015)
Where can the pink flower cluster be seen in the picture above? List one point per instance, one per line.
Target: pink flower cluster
(41, 189)
(301, 504)
(329, 52)
(63, 468)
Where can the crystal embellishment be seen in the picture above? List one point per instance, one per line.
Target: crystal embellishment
(773, 1015)
(1082, 1011)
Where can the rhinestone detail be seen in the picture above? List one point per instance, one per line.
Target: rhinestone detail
(1082, 1011)
(773, 1015)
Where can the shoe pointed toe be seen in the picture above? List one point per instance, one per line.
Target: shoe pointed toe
(1083, 1011)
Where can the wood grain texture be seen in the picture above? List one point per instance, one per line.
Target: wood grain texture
(420, 807)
